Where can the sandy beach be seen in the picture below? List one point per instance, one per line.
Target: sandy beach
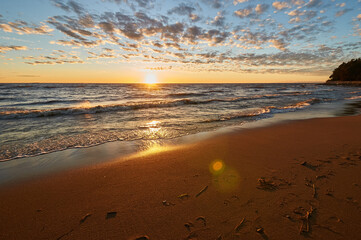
(296, 180)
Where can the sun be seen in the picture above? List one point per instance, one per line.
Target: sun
(150, 79)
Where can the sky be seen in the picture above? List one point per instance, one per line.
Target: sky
(204, 41)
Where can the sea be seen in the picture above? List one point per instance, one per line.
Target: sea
(38, 119)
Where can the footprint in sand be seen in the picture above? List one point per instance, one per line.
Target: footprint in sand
(111, 215)
(267, 185)
(199, 225)
(230, 200)
(309, 165)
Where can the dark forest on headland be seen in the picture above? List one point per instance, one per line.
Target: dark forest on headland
(350, 71)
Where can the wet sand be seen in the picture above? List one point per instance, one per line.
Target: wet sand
(297, 180)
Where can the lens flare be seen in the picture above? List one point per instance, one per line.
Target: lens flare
(217, 167)
(225, 178)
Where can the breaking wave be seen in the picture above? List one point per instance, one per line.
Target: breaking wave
(263, 112)
(88, 109)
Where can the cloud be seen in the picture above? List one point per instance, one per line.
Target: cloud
(297, 2)
(245, 12)
(86, 21)
(191, 36)
(341, 4)
(313, 3)
(250, 11)
(280, 5)
(103, 55)
(194, 17)
(173, 45)
(28, 76)
(70, 6)
(57, 57)
(305, 14)
(182, 9)
(65, 29)
(295, 12)
(76, 43)
(214, 3)
(5, 27)
(54, 62)
(342, 12)
(4, 49)
(261, 8)
(145, 3)
(258, 40)
(212, 37)
(22, 27)
(295, 20)
(61, 5)
(218, 20)
(148, 4)
(109, 50)
(107, 27)
(279, 44)
(235, 2)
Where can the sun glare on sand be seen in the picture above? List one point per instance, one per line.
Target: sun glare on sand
(150, 79)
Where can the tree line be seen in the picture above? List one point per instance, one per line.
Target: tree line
(350, 71)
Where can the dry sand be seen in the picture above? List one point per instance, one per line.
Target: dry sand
(298, 180)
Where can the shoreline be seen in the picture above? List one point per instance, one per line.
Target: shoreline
(344, 83)
(27, 168)
(269, 176)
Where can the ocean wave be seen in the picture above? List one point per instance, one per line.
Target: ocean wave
(105, 108)
(96, 109)
(246, 113)
(86, 108)
(353, 98)
(185, 94)
(34, 113)
(7, 99)
(301, 104)
(51, 102)
(11, 86)
(263, 112)
(57, 143)
(215, 91)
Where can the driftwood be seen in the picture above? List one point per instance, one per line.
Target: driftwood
(305, 226)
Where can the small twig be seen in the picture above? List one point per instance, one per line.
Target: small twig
(84, 218)
(183, 196)
(314, 194)
(239, 226)
(65, 234)
(202, 191)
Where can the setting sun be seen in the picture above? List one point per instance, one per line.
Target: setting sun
(150, 79)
